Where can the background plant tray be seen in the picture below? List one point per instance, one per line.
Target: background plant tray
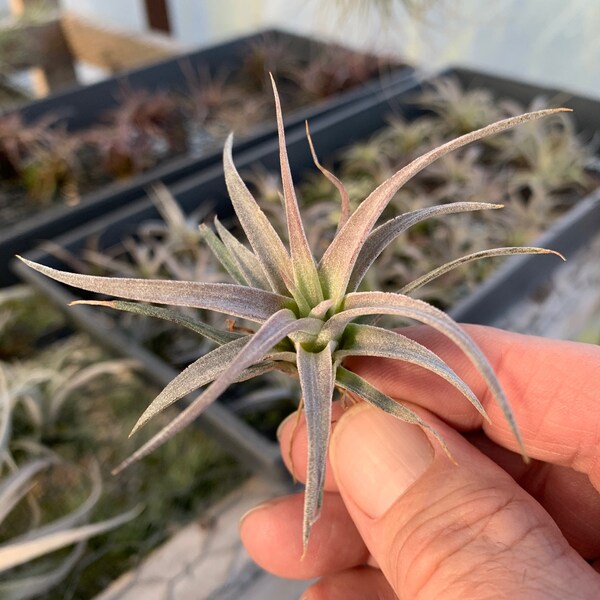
(83, 106)
(519, 277)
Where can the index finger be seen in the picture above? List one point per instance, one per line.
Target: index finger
(552, 385)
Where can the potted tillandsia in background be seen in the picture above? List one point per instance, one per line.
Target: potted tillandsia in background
(300, 314)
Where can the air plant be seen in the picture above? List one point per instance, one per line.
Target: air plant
(268, 55)
(305, 311)
(42, 386)
(207, 91)
(54, 168)
(157, 115)
(336, 70)
(403, 138)
(548, 158)
(18, 140)
(461, 110)
(122, 151)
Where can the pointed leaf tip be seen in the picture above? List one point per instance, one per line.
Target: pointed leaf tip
(267, 246)
(238, 301)
(337, 264)
(304, 269)
(344, 196)
(92, 303)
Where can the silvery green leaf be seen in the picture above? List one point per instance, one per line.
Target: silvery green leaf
(202, 371)
(351, 382)
(16, 485)
(5, 415)
(364, 340)
(12, 555)
(368, 303)
(439, 271)
(344, 198)
(273, 330)
(306, 279)
(223, 255)
(385, 234)
(218, 336)
(339, 259)
(246, 261)
(32, 586)
(239, 301)
(263, 238)
(277, 361)
(316, 381)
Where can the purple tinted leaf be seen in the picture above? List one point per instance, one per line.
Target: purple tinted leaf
(364, 340)
(338, 261)
(316, 379)
(239, 301)
(368, 303)
(263, 238)
(385, 234)
(305, 271)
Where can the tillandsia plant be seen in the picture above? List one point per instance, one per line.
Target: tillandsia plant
(307, 311)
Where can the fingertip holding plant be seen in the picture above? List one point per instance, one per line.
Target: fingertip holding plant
(307, 309)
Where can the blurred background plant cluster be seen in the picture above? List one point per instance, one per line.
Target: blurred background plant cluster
(67, 408)
(47, 162)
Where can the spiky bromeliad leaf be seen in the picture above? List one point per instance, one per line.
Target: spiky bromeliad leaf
(306, 278)
(339, 259)
(344, 196)
(280, 325)
(204, 370)
(358, 304)
(237, 300)
(493, 252)
(219, 336)
(246, 261)
(307, 318)
(353, 383)
(385, 234)
(365, 340)
(316, 380)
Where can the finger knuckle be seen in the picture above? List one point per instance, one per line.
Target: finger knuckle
(468, 536)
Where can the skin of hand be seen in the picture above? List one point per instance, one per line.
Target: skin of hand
(400, 520)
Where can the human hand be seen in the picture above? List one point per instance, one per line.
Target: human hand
(401, 521)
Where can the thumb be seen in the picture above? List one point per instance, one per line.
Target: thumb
(440, 530)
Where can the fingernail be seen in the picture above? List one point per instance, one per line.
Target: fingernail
(255, 509)
(283, 424)
(377, 457)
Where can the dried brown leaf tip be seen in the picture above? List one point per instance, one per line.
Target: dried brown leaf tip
(306, 310)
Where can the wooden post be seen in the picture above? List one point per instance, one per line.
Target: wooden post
(114, 49)
(56, 69)
(157, 15)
